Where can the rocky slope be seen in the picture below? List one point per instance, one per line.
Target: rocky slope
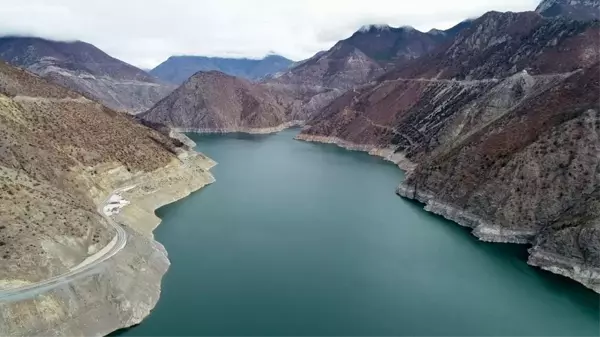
(489, 67)
(62, 155)
(365, 55)
(177, 69)
(499, 129)
(215, 102)
(574, 9)
(86, 69)
(530, 175)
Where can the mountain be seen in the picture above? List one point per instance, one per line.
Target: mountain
(527, 176)
(177, 69)
(496, 130)
(216, 102)
(86, 69)
(573, 9)
(62, 157)
(365, 55)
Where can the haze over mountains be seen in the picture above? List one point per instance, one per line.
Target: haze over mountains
(177, 69)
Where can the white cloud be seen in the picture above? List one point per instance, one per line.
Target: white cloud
(146, 32)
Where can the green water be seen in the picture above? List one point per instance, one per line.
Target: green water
(297, 238)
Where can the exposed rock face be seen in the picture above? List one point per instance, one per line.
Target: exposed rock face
(530, 175)
(498, 45)
(574, 9)
(502, 130)
(489, 67)
(343, 66)
(86, 69)
(177, 69)
(215, 102)
(62, 155)
(365, 55)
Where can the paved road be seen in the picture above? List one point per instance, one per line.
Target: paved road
(33, 289)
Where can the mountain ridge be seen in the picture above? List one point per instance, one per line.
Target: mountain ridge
(83, 67)
(177, 69)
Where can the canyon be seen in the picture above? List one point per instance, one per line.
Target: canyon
(496, 122)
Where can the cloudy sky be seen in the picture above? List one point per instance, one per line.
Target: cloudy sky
(146, 32)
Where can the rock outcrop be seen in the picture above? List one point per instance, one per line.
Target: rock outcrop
(501, 128)
(86, 69)
(177, 69)
(573, 9)
(62, 157)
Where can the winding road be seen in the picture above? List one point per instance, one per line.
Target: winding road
(83, 269)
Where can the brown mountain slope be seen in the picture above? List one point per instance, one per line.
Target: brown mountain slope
(512, 74)
(498, 45)
(365, 55)
(530, 175)
(84, 68)
(49, 134)
(214, 101)
(409, 106)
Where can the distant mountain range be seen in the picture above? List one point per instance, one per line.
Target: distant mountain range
(86, 69)
(177, 69)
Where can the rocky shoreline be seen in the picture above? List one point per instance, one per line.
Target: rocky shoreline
(485, 231)
(257, 131)
(482, 230)
(121, 291)
(388, 154)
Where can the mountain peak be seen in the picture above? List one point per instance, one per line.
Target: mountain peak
(374, 27)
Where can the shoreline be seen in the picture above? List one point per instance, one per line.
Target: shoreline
(484, 231)
(122, 290)
(387, 154)
(481, 230)
(255, 131)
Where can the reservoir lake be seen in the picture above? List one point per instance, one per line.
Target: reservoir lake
(306, 239)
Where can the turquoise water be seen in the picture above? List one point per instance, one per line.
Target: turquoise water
(297, 238)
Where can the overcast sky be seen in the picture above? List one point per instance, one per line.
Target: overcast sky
(146, 32)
